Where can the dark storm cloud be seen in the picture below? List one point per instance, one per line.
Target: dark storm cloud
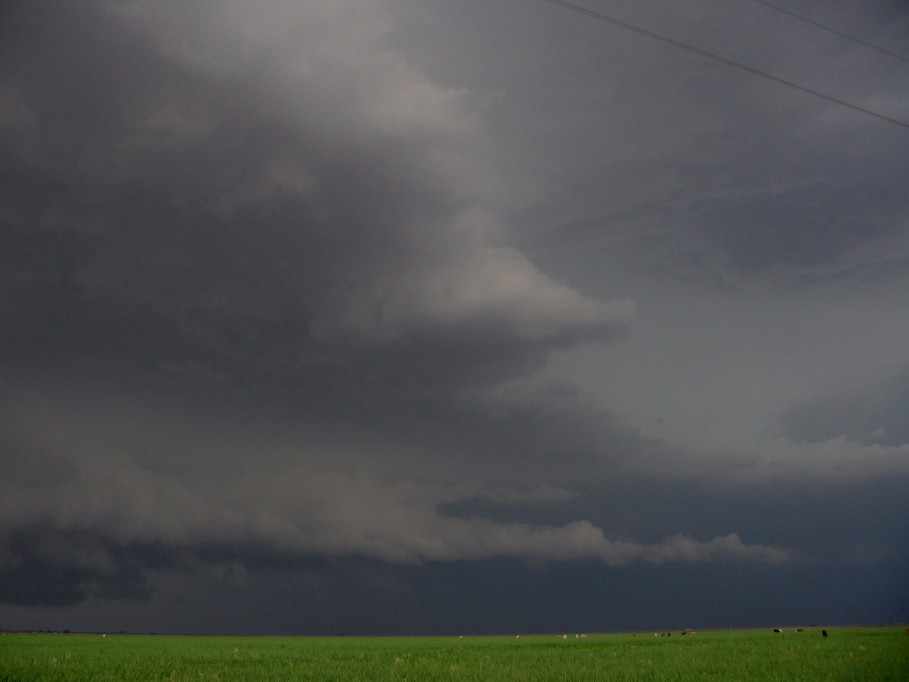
(271, 310)
(220, 217)
(218, 203)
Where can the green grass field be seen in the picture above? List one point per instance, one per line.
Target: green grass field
(872, 653)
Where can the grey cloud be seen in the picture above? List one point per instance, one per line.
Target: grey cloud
(323, 231)
(312, 509)
(280, 287)
(212, 226)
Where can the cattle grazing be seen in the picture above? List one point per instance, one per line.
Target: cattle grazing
(823, 633)
(799, 629)
(583, 636)
(777, 630)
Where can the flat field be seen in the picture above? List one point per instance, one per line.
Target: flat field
(854, 654)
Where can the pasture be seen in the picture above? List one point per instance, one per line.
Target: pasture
(872, 653)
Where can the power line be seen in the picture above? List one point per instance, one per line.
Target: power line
(807, 20)
(723, 60)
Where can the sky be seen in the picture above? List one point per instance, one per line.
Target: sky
(436, 317)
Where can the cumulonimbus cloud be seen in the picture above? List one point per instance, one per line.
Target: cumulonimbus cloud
(233, 194)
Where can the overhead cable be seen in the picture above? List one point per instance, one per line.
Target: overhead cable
(723, 60)
(800, 17)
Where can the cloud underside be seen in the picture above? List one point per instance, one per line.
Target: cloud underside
(112, 545)
(326, 513)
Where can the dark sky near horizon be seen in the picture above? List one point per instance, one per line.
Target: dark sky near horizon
(423, 316)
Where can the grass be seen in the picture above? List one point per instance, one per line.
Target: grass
(873, 654)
